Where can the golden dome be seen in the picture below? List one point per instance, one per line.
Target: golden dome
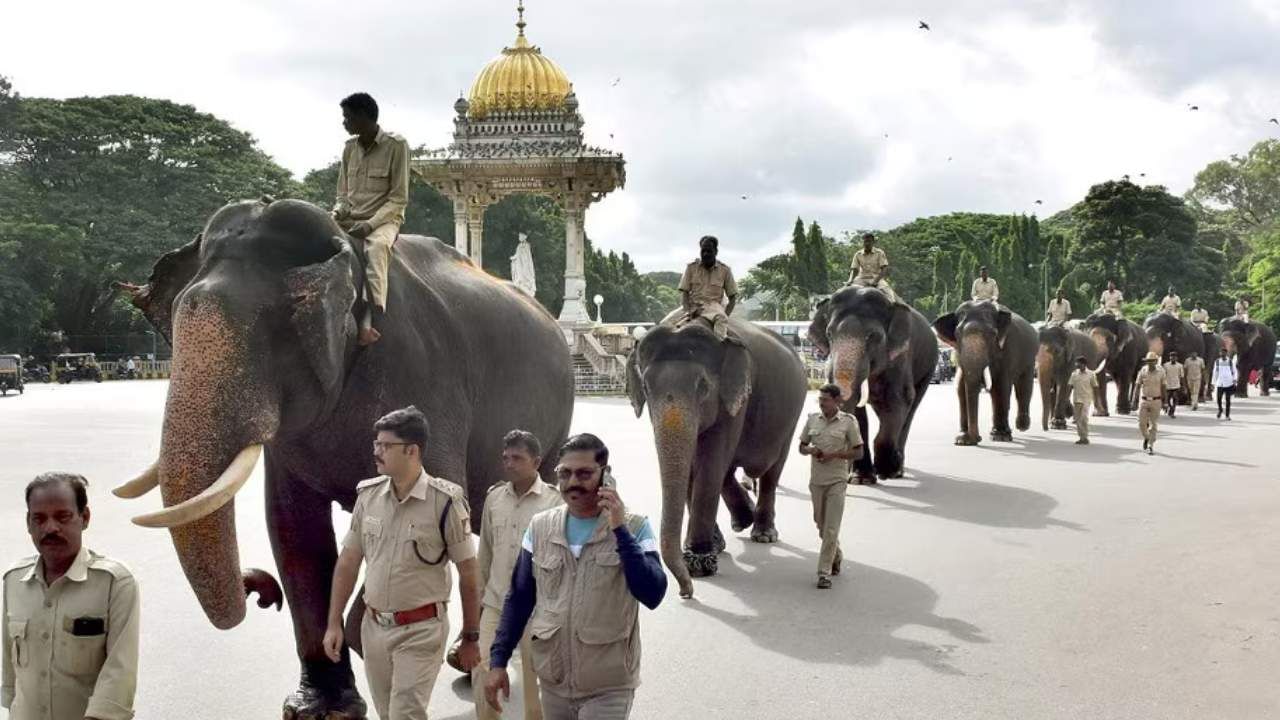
(521, 78)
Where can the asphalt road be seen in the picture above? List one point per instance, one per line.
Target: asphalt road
(1035, 579)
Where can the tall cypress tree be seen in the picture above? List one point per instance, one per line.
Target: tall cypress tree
(817, 273)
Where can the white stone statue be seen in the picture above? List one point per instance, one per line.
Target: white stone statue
(522, 273)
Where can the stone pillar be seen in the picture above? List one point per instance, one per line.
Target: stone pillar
(460, 224)
(475, 229)
(573, 314)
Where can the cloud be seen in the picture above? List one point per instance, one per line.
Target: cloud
(1000, 104)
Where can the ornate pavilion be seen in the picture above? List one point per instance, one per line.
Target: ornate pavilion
(519, 131)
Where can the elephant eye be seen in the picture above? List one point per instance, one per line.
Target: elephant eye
(703, 387)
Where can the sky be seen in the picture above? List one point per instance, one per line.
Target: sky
(840, 111)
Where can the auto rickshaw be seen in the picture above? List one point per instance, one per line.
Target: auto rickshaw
(77, 366)
(10, 374)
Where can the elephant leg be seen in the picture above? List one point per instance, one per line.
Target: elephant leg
(1000, 393)
(300, 525)
(1024, 388)
(888, 443)
(709, 474)
(1060, 395)
(1100, 397)
(963, 397)
(764, 530)
(917, 396)
(741, 508)
(863, 467)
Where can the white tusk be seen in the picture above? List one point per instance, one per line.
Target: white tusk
(141, 485)
(863, 393)
(213, 497)
(986, 376)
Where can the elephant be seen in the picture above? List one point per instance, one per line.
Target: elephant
(260, 309)
(988, 336)
(1059, 348)
(1122, 344)
(715, 406)
(890, 349)
(1166, 334)
(1254, 345)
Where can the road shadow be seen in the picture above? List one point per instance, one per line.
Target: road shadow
(854, 623)
(1062, 446)
(972, 501)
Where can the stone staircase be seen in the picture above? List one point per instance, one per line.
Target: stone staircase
(586, 381)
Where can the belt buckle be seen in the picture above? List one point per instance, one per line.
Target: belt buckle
(385, 620)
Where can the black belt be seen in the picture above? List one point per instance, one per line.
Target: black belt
(1144, 397)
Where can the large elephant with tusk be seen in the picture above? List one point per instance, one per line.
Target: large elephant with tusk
(260, 310)
(882, 353)
(1254, 346)
(715, 407)
(995, 341)
(1122, 345)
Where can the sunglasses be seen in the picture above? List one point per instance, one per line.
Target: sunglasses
(580, 474)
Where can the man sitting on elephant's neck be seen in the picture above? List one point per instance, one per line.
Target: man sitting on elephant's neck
(870, 268)
(705, 285)
(373, 191)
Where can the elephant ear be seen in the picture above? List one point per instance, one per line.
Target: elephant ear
(898, 335)
(946, 328)
(818, 325)
(635, 385)
(169, 277)
(1251, 336)
(1003, 318)
(322, 295)
(735, 378)
(1124, 334)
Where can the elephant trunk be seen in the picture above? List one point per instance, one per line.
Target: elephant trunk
(975, 369)
(1044, 371)
(1229, 342)
(850, 370)
(1102, 343)
(216, 418)
(676, 432)
(1157, 346)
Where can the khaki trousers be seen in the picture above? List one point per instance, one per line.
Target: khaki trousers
(1193, 387)
(1082, 420)
(489, 620)
(402, 663)
(1149, 419)
(614, 705)
(377, 250)
(828, 511)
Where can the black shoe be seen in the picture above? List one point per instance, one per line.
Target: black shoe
(824, 582)
(1145, 443)
(1151, 450)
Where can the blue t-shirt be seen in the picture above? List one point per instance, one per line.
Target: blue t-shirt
(579, 530)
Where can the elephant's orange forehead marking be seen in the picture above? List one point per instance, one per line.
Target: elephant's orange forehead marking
(844, 376)
(673, 419)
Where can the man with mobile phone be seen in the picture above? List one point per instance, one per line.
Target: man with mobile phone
(585, 567)
(70, 616)
(831, 438)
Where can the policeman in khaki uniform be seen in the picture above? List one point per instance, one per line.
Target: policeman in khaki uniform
(1059, 310)
(508, 508)
(1200, 318)
(1194, 369)
(1171, 304)
(1150, 400)
(831, 438)
(373, 192)
(70, 616)
(705, 285)
(870, 268)
(1084, 386)
(985, 287)
(1173, 372)
(405, 525)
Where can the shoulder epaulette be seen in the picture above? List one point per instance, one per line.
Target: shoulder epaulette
(371, 482)
(22, 564)
(106, 564)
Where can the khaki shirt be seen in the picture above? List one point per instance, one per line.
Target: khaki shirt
(867, 266)
(1083, 383)
(505, 518)
(985, 289)
(1171, 304)
(1242, 307)
(1173, 375)
(708, 288)
(401, 543)
(1194, 368)
(1112, 299)
(1059, 310)
(373, 184)
(1199, 315)
(54, 670)
(1150, 381)
(839, 434)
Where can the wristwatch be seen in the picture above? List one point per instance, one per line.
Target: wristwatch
(470, 635)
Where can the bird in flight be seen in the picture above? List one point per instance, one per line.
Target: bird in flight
(1273, 120)
(744, 197)
(1142, 174)
(615, 82)
(1039, 202)
(1193, 107)
(924, 25)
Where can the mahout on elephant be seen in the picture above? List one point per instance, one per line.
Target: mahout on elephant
(1122, 344)
(260, 312)
(879, 352)
(1059, 348)
(1254, 345)
(989, 337)
(715, 407)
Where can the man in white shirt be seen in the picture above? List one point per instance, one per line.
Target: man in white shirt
(985, 287)
(1224, 379)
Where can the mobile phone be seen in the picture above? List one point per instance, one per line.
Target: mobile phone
(606, 480)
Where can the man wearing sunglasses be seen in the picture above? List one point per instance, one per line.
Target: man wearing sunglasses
(404, 526)
(584, 569)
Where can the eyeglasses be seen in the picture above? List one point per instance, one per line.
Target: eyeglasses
(379, 446)
(580, 474)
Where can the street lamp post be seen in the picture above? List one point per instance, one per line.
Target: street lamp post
(599, 301)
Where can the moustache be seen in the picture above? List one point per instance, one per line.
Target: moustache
(53, 540)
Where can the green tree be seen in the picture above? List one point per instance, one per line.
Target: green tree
(1247, 186)
(815, 272)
